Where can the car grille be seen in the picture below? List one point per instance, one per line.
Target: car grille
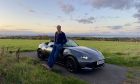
(94, 65)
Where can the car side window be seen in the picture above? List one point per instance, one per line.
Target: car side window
(51, 44)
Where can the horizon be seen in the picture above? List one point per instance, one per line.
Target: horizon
(22, 34)
(77, 17)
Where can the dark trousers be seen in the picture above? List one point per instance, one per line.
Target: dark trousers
(54, 54)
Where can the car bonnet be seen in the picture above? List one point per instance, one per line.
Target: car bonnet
(91, 53)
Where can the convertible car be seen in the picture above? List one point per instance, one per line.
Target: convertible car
(73, 56)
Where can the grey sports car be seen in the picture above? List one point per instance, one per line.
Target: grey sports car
(73, 56)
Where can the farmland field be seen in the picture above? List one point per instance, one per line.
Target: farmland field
(25, 45)
(120, 53)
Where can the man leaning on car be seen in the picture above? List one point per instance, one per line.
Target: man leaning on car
(60, 40)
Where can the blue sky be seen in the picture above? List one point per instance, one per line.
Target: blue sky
(111, 17)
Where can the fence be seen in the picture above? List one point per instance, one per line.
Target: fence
(4, 51)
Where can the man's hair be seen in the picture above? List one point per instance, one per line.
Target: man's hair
(58, 26)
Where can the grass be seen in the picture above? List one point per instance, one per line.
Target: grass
(120, 53)
(25, 45)
(133, 76)
(29, 71)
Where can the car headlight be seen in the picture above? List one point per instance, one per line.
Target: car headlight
(84, 57)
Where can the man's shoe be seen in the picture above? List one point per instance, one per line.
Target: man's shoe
(47, 67)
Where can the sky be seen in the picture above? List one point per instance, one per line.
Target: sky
(95, 17)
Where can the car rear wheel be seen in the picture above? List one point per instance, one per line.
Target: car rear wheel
(40, 54)
(71, 65)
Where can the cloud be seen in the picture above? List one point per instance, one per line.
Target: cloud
(7, 29)
(128, 24)
(23, 29)
(137, 27)
(137, 5)
(7, 26)
(89, 20)
(66, 8)
(86, 14)
(137, 15)
(115, 27)
(109, 17)
(17, 33)
(115, 4)
(32, 11)
(1, 30)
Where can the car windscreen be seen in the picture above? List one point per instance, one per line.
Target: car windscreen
(71, 43)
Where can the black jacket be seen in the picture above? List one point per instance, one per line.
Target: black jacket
(60, 38)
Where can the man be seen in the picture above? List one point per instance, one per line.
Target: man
(59, 41)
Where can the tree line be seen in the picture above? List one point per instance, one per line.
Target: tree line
(45, 37)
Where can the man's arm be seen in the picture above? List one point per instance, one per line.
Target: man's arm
(55, 37)
(64, 38)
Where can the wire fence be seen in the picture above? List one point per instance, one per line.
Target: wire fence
(10, 51)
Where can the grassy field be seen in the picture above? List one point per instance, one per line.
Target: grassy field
(120, 53)
(25, 45)
(29, 71)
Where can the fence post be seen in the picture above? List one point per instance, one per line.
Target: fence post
(18, 54)
(2, 51)
(7, 49)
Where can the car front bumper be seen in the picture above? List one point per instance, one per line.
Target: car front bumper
(95, 64)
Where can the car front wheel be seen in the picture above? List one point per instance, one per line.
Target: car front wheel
(71, 65)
